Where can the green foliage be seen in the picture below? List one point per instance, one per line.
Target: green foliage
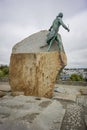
(1, 73)
(76, 77)
(4, 71)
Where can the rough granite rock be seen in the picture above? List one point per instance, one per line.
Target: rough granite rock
(34, 70)
(83, 91)
(28, 113)
(2, 94)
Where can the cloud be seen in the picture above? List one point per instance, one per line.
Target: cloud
(75, 42)
(77, 59)
(21, 18)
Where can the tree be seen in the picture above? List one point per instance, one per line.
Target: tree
(1, 73)
(4, 71)
(76, 77)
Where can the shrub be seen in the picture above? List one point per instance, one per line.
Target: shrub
(4, 71)
(1, 73)
(76, 77)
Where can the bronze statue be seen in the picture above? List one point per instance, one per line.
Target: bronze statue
(53, 32)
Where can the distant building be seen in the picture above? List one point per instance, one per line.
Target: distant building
(66, 73)
(65, 77)
(85, 75)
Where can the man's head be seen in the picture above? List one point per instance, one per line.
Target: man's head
(60, 14)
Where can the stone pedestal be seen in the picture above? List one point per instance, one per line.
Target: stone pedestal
(34, 70)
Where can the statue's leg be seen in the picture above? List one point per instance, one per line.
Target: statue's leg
(51, 42)
(59, 43)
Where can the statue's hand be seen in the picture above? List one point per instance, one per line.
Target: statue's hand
(50, 29)
(68, 30)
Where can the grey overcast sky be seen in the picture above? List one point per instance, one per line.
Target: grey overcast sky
(21, 18)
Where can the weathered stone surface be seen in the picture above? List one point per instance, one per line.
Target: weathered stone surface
(31, 113)
(5, 87)
(32, 44)
(66, 92)
(83, 91)
(17, 93)
(27, 113)
(34, 70)
(50, 118)
(2, 94)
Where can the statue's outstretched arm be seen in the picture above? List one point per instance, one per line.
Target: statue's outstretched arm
(64, 26)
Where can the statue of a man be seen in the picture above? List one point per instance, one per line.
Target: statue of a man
(52, 35)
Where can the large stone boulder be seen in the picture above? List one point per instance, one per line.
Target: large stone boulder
(34, 70)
